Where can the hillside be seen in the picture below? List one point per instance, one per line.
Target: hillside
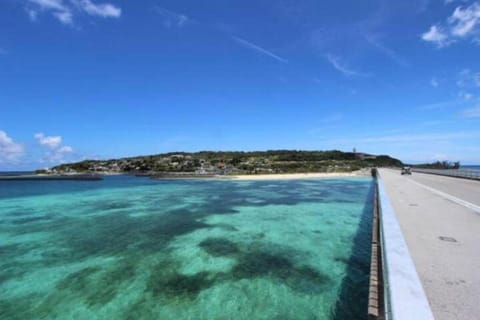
(235, 162)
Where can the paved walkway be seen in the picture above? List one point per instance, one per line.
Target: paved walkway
(429, 207)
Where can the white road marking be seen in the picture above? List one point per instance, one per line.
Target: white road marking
(447, 196)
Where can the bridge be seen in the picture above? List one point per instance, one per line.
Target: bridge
(430, 246)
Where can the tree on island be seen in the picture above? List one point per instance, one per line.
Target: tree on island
(440, 165)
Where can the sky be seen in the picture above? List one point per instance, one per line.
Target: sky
(95, 79)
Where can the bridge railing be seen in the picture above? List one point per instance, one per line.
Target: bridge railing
(461, 173)
(404, 297)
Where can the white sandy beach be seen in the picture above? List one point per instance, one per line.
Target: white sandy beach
(286, 176)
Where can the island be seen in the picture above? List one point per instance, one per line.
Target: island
(206, 164)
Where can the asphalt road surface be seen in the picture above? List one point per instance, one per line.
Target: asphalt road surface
(440, 220)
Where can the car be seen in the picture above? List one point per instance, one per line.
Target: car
(406, 170)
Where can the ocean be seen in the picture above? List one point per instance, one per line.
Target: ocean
(472, 167)
(15, 173)
(135, 248)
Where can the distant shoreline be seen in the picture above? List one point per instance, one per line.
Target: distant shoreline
(292, 176)
(52, 177)
(183, 176)
(271, 176)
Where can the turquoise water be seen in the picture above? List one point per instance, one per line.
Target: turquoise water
(134, 248)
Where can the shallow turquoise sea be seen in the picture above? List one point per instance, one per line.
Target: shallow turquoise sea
(134, 248)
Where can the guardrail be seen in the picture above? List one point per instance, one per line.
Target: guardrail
(404, 297)
(376, 308)
(459, 173)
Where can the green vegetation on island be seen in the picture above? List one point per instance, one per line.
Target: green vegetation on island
(234, 162)
(439, 165)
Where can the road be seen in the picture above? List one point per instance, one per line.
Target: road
(440, 220)
(465, 189)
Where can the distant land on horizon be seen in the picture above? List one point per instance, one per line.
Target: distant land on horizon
(234, 162)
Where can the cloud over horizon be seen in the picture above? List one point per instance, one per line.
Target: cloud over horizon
(10, 151)
(49, 141)
(55, 150)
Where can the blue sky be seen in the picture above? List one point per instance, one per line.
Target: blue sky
(95, 79)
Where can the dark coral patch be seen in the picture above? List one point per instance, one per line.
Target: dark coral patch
(186, 286)
(219, 247)
(258, 264)
(263, 264)
(18, 308)
(9, 250)
(174, 285)
(96, 285)
(79, 280)
(175, 223)
(20, 212)
(111, 205)
(31, 219)
(113, 234)
(107, 286)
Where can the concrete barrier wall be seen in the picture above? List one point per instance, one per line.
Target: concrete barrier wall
(458, 173)
(404, 296)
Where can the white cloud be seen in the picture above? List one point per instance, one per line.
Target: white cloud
(339, 65)
(465, 20)
(48, 141)
(56, 7)
(57, 155)
(10, 151)
(64, 17)
(105, 10)
(64, 11)
(51, 157)
(434, 82)
(65, 149)
(437, 36)
(467, 96)
(171, 19)
(54, 151)
(258, 49)
(50, 4)
(464, 23)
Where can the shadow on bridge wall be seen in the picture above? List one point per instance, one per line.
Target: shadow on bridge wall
(353, 299)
